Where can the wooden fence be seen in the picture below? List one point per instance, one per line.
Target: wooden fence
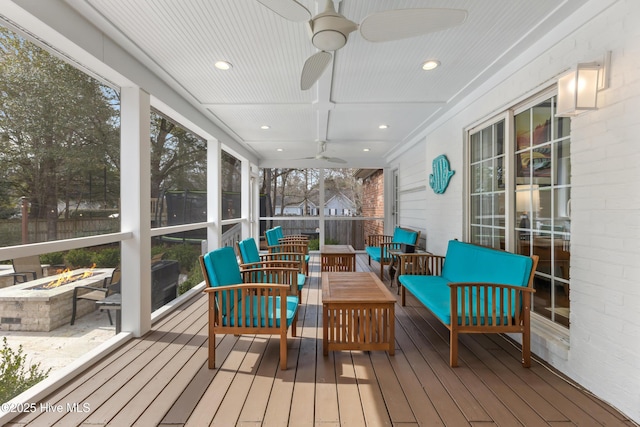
(340, 232)
(11, 229)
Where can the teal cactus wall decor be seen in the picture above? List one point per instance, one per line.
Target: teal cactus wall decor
(439, 179)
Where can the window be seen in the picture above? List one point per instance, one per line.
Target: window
(487, 187)
(520, 196)
(542, 208)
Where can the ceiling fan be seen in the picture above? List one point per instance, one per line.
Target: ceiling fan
(320, 154)
(329, 30)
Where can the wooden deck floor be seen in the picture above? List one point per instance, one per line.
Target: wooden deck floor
(162, 379)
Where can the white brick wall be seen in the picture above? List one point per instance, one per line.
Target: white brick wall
(604, 340)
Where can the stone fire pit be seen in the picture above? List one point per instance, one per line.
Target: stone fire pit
(23, 308)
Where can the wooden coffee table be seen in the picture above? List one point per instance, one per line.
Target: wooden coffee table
(337, 258)
(357, 313)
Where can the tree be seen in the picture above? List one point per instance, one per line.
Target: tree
(56, 123)
(178, 157)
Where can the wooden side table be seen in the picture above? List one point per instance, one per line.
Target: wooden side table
(357, 313)
(337, 258)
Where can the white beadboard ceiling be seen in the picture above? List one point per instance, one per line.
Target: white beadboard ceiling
(367, 84)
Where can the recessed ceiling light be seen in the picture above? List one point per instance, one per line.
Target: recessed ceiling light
(265, 127)
(365, 149)
(223, 65)
(383, 127)
(279, 149)
(430, 64)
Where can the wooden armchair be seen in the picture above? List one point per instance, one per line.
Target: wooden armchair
(237, 306)
(279, 234)
(251, 258)
(301, 246)
(379, 245)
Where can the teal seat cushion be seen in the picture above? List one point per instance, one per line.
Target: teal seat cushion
(302, 279)
(249, 250)
(263, 312)
(434, 293)
(465, 262)
(373, 252)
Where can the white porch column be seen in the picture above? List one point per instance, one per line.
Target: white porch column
(214, 194)
(321, 203)
(135, 185)
(245, 194)
(254, 217)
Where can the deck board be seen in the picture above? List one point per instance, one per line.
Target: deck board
(162, 379)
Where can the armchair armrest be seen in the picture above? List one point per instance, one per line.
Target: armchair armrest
(489, 304)
(90, 288)
(22, 275)
(294, 238)
(272, 275)
(291, 263)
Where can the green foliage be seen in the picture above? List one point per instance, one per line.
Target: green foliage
(52, 258)
(314, 244)
(195, 277)
(14, 376)
(185, 254)
(78, 258)
(107, 258)
(59, 130)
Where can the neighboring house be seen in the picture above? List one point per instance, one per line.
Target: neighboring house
(340, 205)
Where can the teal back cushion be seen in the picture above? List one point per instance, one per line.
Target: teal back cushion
(272, 237)
(404, 236)
(222, 267)
(249, 250)
(465, 262)
(279, 233)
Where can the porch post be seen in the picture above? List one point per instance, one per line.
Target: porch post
(245, 194)
(214, 194)
(135, 185)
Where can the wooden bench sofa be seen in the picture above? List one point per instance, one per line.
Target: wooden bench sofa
(483, 290)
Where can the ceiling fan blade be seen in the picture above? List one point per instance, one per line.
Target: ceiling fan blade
(335, 160)
(288, 9)
(313, 68)
(404, 23)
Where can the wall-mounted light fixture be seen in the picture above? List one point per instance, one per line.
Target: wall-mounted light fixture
(578, 90)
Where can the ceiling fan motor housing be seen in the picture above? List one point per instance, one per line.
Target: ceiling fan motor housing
(330, 32)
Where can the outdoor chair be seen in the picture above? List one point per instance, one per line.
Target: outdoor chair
(253, 301)
(26, 269)
(275, 245)
(110, 285)
(379, 245)
(279, 233)
(251, 258)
